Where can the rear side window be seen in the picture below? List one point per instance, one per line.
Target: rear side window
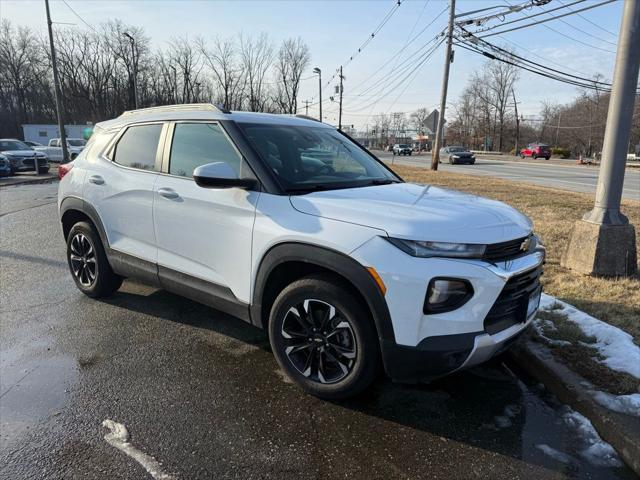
(196, 144)
(138, 146)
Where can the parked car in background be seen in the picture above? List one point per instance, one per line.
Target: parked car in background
(342, 262)
(402, 149)
(54, 149)
(22, 157)
(456, 155)
(536, 150)
(5, 166)
(33, 144)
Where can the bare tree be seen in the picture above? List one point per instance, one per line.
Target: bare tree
(227, 70)
(257, 56)
(293, 59)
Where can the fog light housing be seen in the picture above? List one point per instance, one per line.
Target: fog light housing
(446, 294)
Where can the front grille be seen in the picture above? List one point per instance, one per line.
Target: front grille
(511, 306)
(504, 251)
(28, 162)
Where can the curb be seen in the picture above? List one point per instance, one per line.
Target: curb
(621, 431)
(29, 180)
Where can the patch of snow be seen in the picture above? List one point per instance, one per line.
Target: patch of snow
(537, 326)
(627, 404)
(595, 450)
(555, 454)
(614, 344)
(504, 420)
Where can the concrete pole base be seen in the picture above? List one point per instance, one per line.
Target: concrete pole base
(602, 250)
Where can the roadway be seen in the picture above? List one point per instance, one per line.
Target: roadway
(576, 178)
(201, 394)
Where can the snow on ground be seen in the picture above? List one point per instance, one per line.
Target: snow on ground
(593, 448)
(628, 404)
(555, 454)
(615, 345)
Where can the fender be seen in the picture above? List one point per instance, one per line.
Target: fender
(332, 260)
(75, 203)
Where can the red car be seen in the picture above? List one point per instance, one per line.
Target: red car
(535, 150)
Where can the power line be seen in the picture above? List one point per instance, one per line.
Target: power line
(547, 19)
(592, 23)
(78, 15)
(369, 39)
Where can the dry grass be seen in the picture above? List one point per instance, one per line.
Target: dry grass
(614, 300)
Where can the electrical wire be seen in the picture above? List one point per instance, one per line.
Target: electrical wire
(78, 15)
(549, 19)
(591, 22)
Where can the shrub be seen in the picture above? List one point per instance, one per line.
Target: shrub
(561, 152)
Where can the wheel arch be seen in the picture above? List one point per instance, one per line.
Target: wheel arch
(74, 210)
(287, 262)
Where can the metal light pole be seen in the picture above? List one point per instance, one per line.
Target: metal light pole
(340, 111)
(603, 242)
(57, 91)
(319, 72)
(132, 41)
(435, 156)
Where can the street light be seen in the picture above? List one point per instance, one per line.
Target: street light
(132, 41)
(319, 72)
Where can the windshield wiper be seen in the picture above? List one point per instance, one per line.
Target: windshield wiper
(315, 187)
(383, 181)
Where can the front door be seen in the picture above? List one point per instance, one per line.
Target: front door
(204, 233)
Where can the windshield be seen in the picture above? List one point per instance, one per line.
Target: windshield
(76, 142)
(403, 145)
(8, 145)
(457, 149)
(315, 158)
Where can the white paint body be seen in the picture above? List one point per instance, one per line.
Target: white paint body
(221, 235)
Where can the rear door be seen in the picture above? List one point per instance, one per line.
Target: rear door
(203, 233)
(119, 185)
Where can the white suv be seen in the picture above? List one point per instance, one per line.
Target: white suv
(293, 227)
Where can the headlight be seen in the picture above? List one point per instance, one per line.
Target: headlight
(456, 156)
(446, 294)
(438, 249)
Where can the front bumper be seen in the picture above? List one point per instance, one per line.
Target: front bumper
(26, 164)
(424, 346)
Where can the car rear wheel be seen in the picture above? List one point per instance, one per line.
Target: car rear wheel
(88, 263)
(323, 338)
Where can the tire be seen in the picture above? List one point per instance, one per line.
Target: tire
(43, 170)
(409, 153)
(340, 375)
(547, 158)
(522, 156)
(534, 156)
(84, 249)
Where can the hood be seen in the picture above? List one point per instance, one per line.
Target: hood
(418, 212)
(462, 154)
(21, 153)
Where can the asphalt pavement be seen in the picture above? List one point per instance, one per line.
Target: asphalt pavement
(201, 394)
(576, 178)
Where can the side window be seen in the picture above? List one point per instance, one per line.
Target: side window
(138, 146)
(196, 144)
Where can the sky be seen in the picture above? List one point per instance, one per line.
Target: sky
(334, 30)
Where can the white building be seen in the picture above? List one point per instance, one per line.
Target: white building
(42, 133)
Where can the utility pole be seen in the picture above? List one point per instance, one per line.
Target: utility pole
(604, 242)
(57, 90)
(306, 108)
(435, 154)
(134, 67)
(515, 105)
(319, 72)
(340, 114)
(558, 126)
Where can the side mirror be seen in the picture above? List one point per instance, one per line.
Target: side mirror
(220, 175)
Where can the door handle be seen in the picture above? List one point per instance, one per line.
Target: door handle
(96, 179)
(168, 193)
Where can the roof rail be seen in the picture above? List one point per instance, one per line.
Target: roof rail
(175, 108)
(306, 117)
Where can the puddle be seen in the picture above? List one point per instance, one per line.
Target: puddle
(32, 392)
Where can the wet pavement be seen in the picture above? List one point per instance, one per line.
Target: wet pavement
(201, 393)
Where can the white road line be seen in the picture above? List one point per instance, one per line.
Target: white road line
(118, 437)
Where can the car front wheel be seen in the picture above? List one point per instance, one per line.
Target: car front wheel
(323, 338)
(88, 263)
